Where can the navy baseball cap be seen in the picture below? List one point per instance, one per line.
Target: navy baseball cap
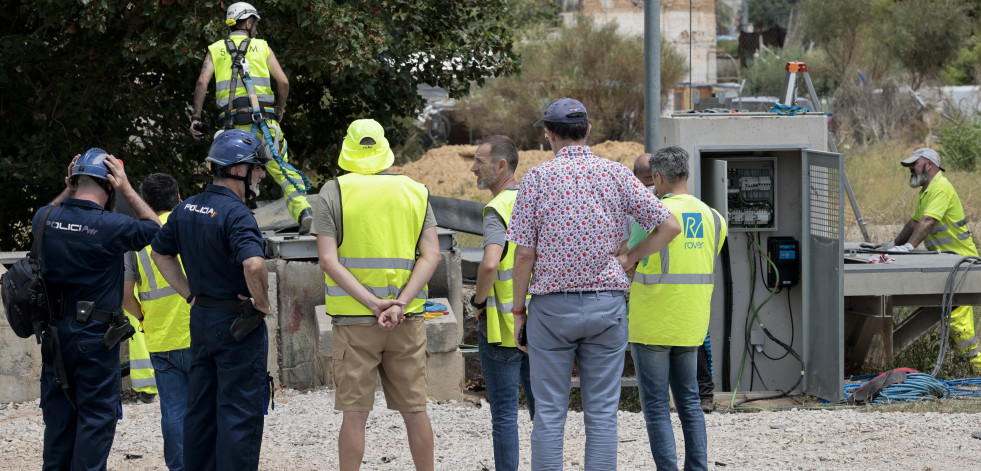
(563, 110)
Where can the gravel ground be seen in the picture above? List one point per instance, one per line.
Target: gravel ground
(301, 434)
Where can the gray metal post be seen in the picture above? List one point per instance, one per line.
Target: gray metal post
(652, 73)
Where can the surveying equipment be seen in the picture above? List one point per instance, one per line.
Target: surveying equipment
(789, 98)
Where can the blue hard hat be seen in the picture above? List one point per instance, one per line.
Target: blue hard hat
(236, 146)
(93, 164)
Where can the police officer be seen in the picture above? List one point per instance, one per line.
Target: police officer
(242, 19)
(82, 257)
(222, 251)
(670, 303)
(165, 318)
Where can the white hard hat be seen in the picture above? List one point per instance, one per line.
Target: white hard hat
(240, 11)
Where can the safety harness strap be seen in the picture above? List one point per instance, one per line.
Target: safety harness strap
(238, 58)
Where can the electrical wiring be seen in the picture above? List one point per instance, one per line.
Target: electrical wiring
(951, 286)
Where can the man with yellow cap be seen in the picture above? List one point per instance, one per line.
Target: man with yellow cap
(369, 224)
(939, 222)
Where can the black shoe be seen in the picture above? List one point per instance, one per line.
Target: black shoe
(708, 405)
(306, 221)
(146, 397)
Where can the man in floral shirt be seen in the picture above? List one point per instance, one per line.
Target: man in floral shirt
(568, 225)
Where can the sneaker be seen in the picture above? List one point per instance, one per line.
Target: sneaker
(708, 405)
(306, 220)
(146, 397)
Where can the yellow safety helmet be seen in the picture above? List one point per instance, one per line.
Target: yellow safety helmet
(365, 149)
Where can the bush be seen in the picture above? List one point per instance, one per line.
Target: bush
(767, 73)
(960, 141)
(595, 65)
(864, 115)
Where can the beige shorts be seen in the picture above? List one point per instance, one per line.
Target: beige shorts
(363, 352)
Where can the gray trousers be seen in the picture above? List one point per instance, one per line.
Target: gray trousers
(591, 330)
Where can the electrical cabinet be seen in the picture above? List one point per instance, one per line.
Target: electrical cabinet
(771, 178)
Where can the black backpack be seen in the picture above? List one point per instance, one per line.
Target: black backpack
(25, 296)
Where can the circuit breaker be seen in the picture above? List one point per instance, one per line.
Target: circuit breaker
(749, 200)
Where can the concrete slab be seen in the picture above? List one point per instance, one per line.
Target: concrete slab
(447, 282)
(301, 287)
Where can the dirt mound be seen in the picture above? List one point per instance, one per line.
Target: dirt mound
(446, 170)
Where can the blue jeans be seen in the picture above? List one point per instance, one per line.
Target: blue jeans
(505, 369)
(658, 366)
(591, 330)
(170, 369)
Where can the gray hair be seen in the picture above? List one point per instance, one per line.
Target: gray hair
(671, 163)
(502, 147)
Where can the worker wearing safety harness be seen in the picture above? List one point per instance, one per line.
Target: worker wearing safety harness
(222, 253)
(939, 222)
(244, 68)
(165, 318)
(369, 225)
(505, 367)
(670, 304)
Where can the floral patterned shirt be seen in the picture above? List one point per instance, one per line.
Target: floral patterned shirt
(572, 210)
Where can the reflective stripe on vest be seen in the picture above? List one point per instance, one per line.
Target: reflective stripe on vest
(166, 315)
(257, 55)
(381, 232)
(670, 298)
(140, 366)
(500, 300)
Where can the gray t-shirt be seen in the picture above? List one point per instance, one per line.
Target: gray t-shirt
(327, 221)
(131, 270)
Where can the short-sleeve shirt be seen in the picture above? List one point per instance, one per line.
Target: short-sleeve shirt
(327, 212)
(82, 252)
(213, 232)
(572, 210)
(939, 201)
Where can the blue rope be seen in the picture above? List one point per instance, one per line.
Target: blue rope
(285, 166)
(919, 387)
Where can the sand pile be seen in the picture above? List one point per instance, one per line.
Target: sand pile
(446, 170)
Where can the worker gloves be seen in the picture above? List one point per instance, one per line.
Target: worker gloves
(902, 248)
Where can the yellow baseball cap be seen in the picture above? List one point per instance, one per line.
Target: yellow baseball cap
(365, 149)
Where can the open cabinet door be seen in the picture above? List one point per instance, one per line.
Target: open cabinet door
(822, 279)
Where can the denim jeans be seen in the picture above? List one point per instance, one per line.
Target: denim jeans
(170, 370)
(505, 369)
(658, 366)
(591, 330)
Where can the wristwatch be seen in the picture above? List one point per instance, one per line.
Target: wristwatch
(473, 302)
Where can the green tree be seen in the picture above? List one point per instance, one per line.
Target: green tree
(836, 26)
(763, 13)
(924, 35)
(594, 64)
(120, 75)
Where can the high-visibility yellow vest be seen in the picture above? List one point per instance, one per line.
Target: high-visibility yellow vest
(166, 315)
(257, 55)
(939, 201)
(671, 294)
(500, 321)
(382, 219)
(140, 367)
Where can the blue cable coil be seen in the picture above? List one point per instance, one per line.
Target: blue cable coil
(919, 387)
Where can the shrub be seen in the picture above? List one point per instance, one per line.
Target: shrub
(596, 65)
(767, 73)
(960, 141)
(864, 115)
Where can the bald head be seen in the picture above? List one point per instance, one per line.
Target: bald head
(642, 170)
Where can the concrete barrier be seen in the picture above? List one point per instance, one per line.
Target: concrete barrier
(20, 363)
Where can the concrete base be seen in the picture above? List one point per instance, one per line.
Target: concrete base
(445, 363)
(20, 363)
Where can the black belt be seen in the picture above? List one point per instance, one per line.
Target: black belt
(94, 314)
(223, 304)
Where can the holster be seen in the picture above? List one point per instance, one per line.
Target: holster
(247, 321)
(119, 329)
